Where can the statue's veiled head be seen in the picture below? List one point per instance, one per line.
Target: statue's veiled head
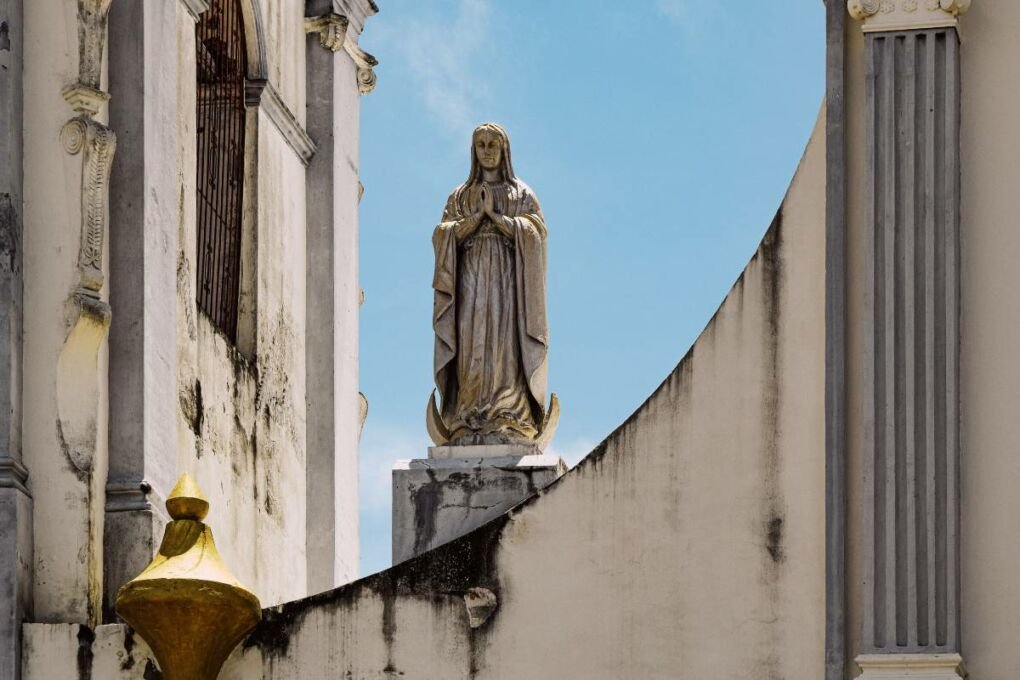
(490, 150)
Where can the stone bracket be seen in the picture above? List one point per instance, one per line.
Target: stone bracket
(332, 30)
(366, 64)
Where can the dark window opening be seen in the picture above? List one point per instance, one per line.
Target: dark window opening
(221, 63)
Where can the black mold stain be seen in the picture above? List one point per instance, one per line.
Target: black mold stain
(193, 408)
(10, 232)
(426, 500)
(389, 632)
(5, 37)
(129, 645)
(775, 539)
(85, 639)
(151, 672)
(448, 571)
(769, 256)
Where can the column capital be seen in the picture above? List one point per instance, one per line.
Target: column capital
(906, 15)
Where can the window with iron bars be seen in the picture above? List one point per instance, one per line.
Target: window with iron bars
(221, 63)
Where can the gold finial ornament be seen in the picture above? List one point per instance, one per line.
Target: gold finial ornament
(186, 604)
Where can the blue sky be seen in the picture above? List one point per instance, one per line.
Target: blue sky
(659, 135)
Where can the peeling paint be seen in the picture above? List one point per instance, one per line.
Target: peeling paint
(193, 407)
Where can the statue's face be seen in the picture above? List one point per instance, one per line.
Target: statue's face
(489, 149)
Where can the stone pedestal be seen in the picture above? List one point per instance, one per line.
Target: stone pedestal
(459, 488)
(911, 667)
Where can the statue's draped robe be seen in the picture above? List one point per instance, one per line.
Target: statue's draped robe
(489, 317)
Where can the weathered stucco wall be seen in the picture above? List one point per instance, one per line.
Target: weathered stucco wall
(241, 422)
(689, 543)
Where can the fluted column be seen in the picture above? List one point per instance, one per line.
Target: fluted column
(911, 361)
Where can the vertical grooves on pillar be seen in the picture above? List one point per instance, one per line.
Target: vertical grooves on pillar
(912, 412)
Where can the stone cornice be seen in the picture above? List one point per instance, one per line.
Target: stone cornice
(906, 15)
(195, 7)
(262, 94)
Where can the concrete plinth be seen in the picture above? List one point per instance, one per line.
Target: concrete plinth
(438, 499)
(485, 451)
(911, 667)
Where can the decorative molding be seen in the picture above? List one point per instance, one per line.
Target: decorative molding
(195, 7)
(366, 64)
(85, 100)
(97, 144)
(906, 15)
(92, 16)
(332, 30)
(13, 475)
(911, 667)
(131, 496)
(262, 94)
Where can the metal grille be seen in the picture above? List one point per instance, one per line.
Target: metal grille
(222, 64)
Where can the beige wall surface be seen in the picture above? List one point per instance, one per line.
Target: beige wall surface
(688, 544)
(990, 369)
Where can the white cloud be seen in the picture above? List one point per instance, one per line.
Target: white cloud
(441, 55)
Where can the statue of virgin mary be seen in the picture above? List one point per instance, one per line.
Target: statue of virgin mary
(489, 316)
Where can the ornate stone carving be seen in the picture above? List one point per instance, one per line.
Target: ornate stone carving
(903, 15)
(97, 144)
(366, 64)
(332, 30)
(92, 16)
